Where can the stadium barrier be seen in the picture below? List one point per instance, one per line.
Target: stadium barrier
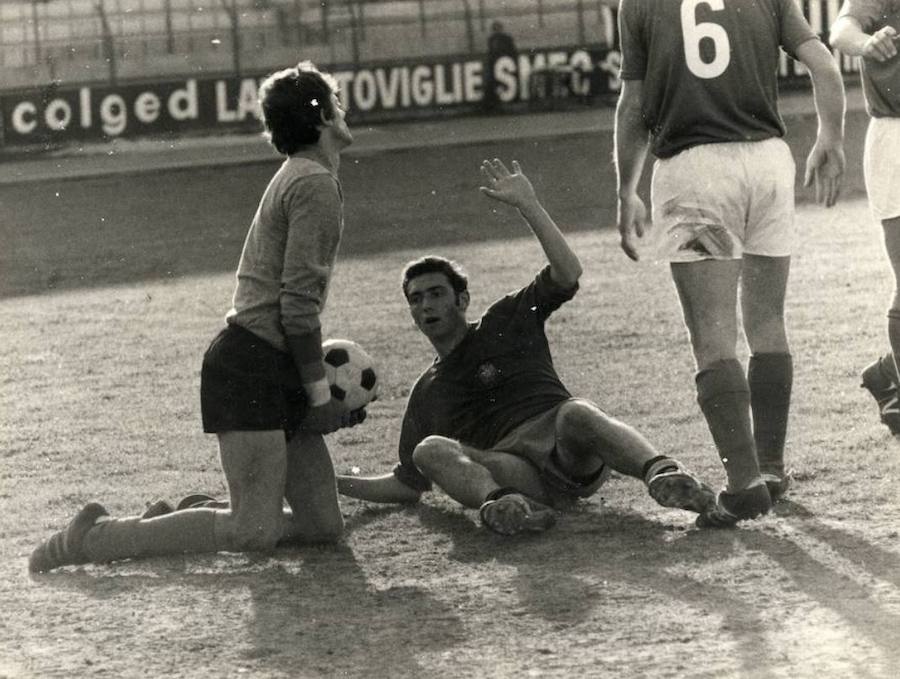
(377, 91)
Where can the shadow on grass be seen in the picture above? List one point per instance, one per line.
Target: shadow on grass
(557, 573)
(317, 616)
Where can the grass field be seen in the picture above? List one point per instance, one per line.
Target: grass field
(102, 340)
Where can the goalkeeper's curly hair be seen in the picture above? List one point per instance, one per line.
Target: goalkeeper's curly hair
(293, 102)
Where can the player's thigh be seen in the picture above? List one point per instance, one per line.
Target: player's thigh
(311, 490)
(707, 290)
(763, 285)
(255, 466)
(508, 469)
(699, 204)
(770, 176)
(882, 171)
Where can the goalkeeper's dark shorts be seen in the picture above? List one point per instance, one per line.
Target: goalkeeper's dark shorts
(246, 384)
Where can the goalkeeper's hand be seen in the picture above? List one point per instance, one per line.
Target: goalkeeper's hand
(331, 416)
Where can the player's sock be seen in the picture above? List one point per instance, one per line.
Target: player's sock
(770, 377)
(66, 547)
(657, 465)
(724, 398)
(190, 531)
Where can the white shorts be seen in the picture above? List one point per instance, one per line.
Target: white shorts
(719, 201)
(881, 163)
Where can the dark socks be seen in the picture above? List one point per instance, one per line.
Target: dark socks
(770, 378)
(724, 397)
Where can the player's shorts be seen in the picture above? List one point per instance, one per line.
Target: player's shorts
(535, 440)
(720, 201)
(246, 384)
(881, 164)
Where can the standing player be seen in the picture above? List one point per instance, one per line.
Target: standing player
(699, 88)
(263, 387)
(490, 422)
(869, 29)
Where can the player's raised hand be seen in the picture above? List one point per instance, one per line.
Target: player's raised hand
(825, 167)
(881, 46)
(631, 215)
(513, 188)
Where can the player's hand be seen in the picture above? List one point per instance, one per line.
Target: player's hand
(880, 45)
(513, 188)
(825, 167)
(631, 215)
(331, 416)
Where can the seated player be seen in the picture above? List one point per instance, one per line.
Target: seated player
(490, 422)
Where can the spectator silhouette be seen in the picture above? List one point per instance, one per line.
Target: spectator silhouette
(499, 44)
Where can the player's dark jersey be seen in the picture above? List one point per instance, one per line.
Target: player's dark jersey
(709, 67)
(880, 79)
(498, 377)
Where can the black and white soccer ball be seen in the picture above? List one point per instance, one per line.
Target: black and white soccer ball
(350, 372)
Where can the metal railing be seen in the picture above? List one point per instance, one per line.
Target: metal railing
(43, 41)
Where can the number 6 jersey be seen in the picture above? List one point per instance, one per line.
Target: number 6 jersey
(709, 67)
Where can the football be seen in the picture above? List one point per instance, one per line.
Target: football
(350, 372)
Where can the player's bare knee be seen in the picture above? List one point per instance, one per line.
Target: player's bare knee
(331, 532)
(330, 528)
(435, 451)
(578, 415)
(255, 536)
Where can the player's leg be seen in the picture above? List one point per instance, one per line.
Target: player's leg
(768, 244)
(254, 465)
(311, 492)
(588, 439)
(708, 293)
(505, 488)
(469, 475)
(770, 370)
(881, 377)
(882, 175)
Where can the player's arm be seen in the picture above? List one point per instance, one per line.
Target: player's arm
(514, 188)
(632, 139)
(848, 36)
(825, 163)
(405, 484)
(385, 488)
(314, 213)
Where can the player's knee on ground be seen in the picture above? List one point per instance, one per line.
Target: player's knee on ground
(329, 529)
(255, 535)
(436, 452)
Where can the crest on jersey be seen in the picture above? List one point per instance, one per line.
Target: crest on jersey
(488, 374)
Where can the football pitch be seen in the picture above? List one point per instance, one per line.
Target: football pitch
(110, 290)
